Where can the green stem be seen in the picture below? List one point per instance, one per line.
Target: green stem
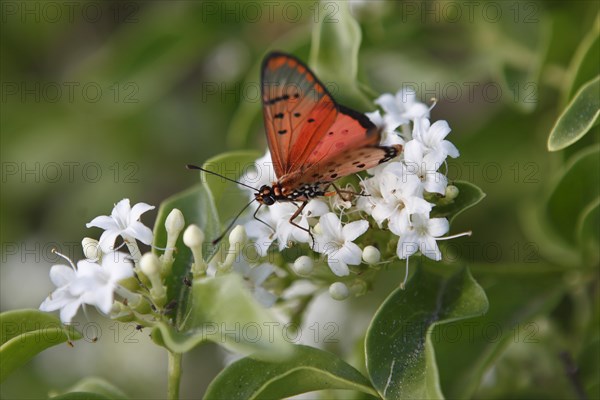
(174, 376)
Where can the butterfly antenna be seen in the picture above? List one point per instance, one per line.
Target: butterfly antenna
(191, 167)
(217, 240)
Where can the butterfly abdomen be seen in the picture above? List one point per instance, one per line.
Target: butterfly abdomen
(292, 190)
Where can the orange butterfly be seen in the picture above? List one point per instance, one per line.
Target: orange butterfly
(313, 140)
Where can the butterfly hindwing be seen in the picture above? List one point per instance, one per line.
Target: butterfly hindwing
(297, 109)
(349, 131)
(343, 164)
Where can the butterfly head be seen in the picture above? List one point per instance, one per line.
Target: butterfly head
(265, 195)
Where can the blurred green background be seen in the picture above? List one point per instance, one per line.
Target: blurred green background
(107, 100)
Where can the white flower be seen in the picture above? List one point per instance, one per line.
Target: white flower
(396, 195)
(336, 242)
(432, 136)
(62, 299)
(97, 284)
(421, 235)
(255, 276)
(424, 168)
(89, 284)
(389, 136)
(124, 222)
(401, 108)
(401, 197)
(277, 216)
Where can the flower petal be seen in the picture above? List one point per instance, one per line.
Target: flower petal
(435, 183)
(140, 232)
(260, 273)
(407, 245)
(117, 266)
(438, 131)
(61, 275)
(264, 297)
(429, 248)
(337, 266)
(69, 310)
(438, 226)
(107, 240)
(120, 213)
(450, 149)
(331, 227)
(350, 254)
(138, 210)
(388, 103)
(354, 229)
(103, 222)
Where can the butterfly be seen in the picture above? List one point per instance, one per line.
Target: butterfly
(313, 140)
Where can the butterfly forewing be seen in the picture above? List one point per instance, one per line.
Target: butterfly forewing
(297, 110)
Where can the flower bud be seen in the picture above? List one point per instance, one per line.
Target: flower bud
(371, 255)
(174, 225)
(193, 237)
(238, 235)
(338, 291)
(237, 239)
(91, 249)
(150, 266)
(303, 265)
(451, 192)
(174, 222)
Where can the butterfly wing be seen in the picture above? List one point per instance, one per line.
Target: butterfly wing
(348, 162)
(312, 139)
(297, 111)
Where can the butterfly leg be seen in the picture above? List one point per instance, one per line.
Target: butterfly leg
(260, 220)
(307, 230)
(342, 193)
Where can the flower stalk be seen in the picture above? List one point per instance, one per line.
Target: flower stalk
(174, 375)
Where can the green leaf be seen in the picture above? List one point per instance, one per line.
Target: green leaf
(307, 370)
(26, 333)
(468, 196)
(198, 208)
(584, 65)
(96, 388)
(576, 187)
(334, 52)
(223, 311)
(228, 196)
(399, 352)
(518, 293)
(578, 117)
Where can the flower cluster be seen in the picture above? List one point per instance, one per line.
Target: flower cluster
(397, 195)
(95, 280)
(131, 286)
(397, 190)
